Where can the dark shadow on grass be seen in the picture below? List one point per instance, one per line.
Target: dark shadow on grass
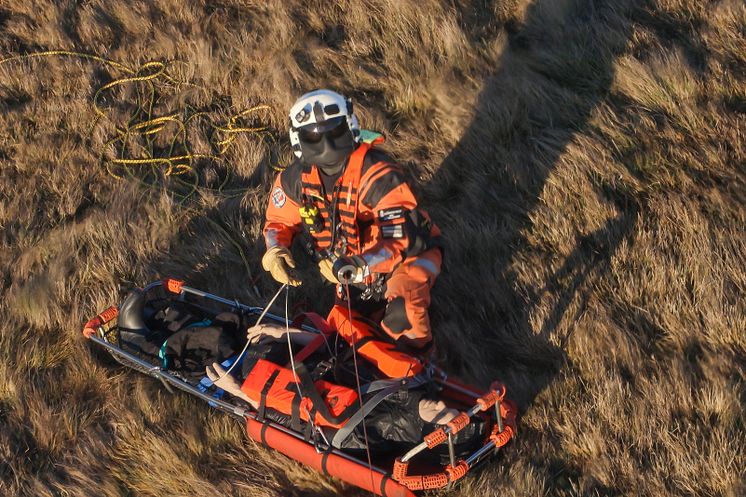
(557, 67)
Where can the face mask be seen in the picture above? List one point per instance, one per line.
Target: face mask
(327, 145)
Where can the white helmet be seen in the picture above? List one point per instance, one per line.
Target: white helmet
(323, 127)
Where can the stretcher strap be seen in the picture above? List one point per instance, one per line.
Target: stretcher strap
(320, 324)
(309, 349)
(295, 421)
(309, 390)
(385, 389)
(317, 321)
(408, 382)
(265, 390)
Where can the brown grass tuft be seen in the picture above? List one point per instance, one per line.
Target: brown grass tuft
(585, 161)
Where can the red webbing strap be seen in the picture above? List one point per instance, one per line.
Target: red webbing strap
(320, 324)
(309, 349)
(316, 320)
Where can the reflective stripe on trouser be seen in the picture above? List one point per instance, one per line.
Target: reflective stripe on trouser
(408, 296)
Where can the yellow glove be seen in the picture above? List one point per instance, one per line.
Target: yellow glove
(279, 262)
(325, 266)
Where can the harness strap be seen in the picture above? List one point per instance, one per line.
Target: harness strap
(377, 385)
(265, 390)
(308, 389)
(320, 324)
(360, 343)
(295, 422)
(316, 320)
(385, 388)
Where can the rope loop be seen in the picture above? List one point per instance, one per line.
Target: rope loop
(135, 148)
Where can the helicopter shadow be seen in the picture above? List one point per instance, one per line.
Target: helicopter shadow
(557, 66)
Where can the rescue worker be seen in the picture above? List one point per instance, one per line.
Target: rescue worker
(357, 216)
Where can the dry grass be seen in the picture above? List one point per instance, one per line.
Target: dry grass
(585, 160)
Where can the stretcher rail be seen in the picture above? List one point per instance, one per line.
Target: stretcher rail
(157, 372)
(398, 480)
(501, 435)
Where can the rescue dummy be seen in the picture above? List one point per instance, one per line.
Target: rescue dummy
(403, 418)
(357, 217)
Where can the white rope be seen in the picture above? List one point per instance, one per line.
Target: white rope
(357, 379)
(261, 316)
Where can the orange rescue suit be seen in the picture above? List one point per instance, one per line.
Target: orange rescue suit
(373, 214)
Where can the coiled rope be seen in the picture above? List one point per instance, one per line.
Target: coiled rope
(178, 163)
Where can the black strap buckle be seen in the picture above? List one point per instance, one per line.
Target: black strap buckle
(322, 368)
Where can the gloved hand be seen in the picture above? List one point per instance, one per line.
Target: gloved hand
(352, 269)
(280, 264)
(325, 267)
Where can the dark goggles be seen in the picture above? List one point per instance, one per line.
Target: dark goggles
(333, 129)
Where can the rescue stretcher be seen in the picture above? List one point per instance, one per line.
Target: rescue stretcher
(388, 476)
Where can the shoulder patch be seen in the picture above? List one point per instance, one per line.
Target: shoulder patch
(391, 214)
(278, 197)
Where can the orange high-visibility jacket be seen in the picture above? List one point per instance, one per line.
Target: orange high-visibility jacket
(376, 212)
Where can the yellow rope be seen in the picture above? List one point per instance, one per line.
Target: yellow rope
(66, 53)
(232, 131)
(180, 160)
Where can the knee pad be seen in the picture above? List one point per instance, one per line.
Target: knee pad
(395, 319)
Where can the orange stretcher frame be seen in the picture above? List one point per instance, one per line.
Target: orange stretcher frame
(388, 479)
